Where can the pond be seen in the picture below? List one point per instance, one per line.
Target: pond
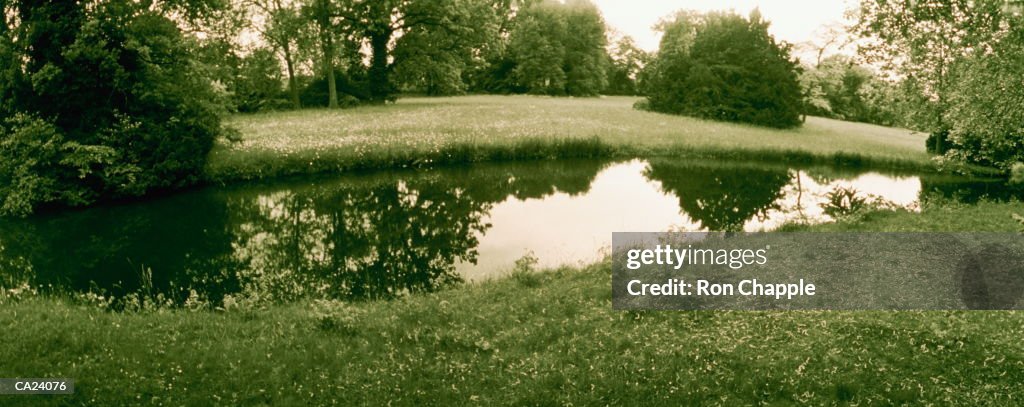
(385, 234)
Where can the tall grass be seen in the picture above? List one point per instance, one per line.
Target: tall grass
(549, 338)
(445, 131)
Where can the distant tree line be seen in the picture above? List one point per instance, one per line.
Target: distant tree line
(951, 68)
(340, 53)
(109, 99)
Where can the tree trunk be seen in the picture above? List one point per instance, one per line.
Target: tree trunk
(327, 45)
(380, 86)
(293, 86)
(332, 87)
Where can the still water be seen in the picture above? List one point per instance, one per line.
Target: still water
(385, 234)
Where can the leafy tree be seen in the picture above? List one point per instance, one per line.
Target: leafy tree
(586, 58)
(537, 50)
(436, 59)
(627, 60)
(840, 88)
(258, 83)
(946, 50)
(375, 23)
(922, 40)
(722, 66)
(287, 32)
(111, 104)
(559, 48)
(986, 107)
(322, 12)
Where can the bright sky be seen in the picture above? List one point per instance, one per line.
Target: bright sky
(794, 21)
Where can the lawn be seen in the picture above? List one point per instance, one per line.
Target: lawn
(533, 338)
(544, 337)
(424, 131)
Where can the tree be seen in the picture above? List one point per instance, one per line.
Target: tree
(111, 104)
(626, 62)
(285, 30)
(986, 106)
(840, 88)
(827, 37)
(322, 12)
(922, 40)
(559, 48)
(722, 66)
(436, 59)
(375, 23)
(537, 49)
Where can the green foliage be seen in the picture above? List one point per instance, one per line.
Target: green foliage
(127, 107)
(722, 66)
(1017, 174)
(37, 166)
(435, 58)
(986, 112)
(627, 61)
(258, 84)
(841, 89)
(559, 49)
(938, 142)
(352, 90)
(921, 41)
(440, 39)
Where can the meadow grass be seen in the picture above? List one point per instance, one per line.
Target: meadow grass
(549, 338)
(935, 216)
(436, 131)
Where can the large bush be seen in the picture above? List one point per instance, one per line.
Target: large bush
(110, 105)
(352, 90)
(986, 113)
(722, 66)
(841, 89)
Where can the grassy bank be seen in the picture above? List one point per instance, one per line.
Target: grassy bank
(429, 131)
(941, 216)
(547, 338)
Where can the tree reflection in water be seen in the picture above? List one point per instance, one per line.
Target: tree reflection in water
(373, 236)
(721, 198)
(383, 234)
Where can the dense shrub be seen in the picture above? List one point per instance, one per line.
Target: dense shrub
(722, 66)
(986, 114)
(938, 142)
(352, 90)
(258, 85)
(841, 89)
(112, 106)
(38, 166)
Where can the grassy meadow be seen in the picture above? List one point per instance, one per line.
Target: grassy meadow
(430, 131)
(542, 338)
(537, 337)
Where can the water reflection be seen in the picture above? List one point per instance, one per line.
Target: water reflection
(382, 235)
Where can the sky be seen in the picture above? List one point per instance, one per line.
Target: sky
(794, 21)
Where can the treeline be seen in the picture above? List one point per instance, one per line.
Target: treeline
(107, 99)
(951, 68)
(110, 99)
(349, 52)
